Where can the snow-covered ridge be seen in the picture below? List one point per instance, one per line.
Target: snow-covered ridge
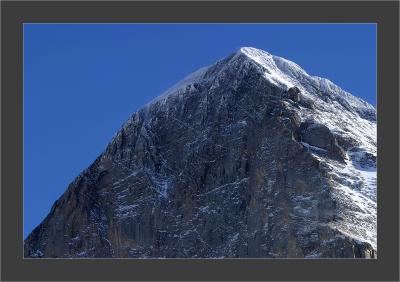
(283, 72)
(342, 112)
(272, 71)
(279, 71)
(180, 86)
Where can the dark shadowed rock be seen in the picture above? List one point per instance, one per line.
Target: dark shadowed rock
(318, 135)
(293, 94)
(347, 143)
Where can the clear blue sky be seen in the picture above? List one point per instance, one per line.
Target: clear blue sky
(81, 82)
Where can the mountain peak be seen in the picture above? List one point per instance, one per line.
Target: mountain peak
(277, 70)
(253, 52)
(224, 164)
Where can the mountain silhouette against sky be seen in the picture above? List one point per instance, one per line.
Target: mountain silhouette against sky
(250, 157)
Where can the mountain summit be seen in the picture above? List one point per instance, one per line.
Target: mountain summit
(248, 158)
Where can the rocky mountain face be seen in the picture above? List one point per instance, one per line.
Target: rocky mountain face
(248, 158)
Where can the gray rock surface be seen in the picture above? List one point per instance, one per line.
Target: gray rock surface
(319, 135)
(216, 168)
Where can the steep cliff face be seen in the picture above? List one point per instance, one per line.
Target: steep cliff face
(250, 157)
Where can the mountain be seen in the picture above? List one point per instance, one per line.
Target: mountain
(250, 157)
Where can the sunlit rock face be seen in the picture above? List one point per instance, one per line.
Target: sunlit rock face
(248, 158)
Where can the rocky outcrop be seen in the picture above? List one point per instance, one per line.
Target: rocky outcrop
(216, 168)
(293, 94)
(319, 136)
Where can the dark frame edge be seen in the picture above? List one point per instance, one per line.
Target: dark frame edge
(11, 263)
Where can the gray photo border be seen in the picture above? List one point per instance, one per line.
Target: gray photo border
(384, 13)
